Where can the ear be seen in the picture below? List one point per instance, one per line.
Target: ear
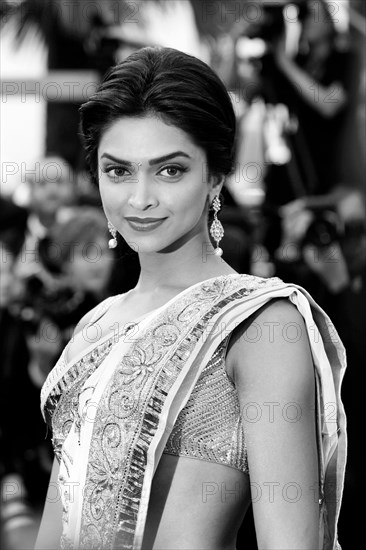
(215, 184)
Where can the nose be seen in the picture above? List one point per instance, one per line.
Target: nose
(141, 197)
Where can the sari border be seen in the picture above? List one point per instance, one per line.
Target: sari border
(331, 467)
(132, 512)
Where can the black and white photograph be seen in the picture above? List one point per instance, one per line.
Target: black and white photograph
(182, 274)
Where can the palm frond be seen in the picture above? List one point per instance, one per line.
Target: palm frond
(75, 17)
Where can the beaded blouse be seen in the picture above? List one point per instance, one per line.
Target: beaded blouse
(210, 427)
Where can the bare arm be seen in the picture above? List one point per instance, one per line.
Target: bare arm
(51, 524)
(273, 371)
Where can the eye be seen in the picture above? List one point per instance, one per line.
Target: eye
(119, 172)
(172, 171)
(116, 172)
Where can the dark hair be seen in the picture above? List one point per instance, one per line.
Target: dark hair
(178, 88)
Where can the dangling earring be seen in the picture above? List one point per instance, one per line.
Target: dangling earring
(216, 229)
(112, 243)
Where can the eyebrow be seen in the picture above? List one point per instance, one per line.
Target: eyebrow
(151, 161)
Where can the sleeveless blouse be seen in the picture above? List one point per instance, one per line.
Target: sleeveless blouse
(210, 426)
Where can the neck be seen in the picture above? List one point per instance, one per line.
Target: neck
(181, 266)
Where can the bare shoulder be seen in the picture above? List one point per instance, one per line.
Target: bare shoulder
(261, 326)
(271, 343)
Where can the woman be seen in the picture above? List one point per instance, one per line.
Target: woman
(177, 403)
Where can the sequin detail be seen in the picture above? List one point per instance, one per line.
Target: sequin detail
(131, 409)
(64, 405)
(210, 427)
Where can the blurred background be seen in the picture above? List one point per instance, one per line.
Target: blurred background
(294, 206)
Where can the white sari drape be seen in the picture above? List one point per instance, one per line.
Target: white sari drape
(113, 407)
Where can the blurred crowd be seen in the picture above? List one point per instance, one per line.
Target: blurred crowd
(293, 208)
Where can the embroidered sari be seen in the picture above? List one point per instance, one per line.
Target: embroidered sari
(113, 407)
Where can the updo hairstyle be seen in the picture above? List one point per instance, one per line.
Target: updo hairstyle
(179, 89)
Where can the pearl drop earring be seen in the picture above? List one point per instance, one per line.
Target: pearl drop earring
(112, 243)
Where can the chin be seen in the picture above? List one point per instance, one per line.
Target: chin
(145, 244)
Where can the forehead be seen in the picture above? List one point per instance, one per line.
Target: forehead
(144, 138)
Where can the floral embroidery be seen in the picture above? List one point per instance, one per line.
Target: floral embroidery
(166, 333)
(128, 412)
(67, 411)
(139, 364)
(134, 399)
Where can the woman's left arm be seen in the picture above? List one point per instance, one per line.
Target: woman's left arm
(271, 363)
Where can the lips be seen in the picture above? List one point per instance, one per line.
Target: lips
(144, 220)
(144, 224)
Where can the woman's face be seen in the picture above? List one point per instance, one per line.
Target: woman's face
(153, 183)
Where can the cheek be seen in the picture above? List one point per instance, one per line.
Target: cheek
(187, 198)
(191, 201)
(112, 197)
